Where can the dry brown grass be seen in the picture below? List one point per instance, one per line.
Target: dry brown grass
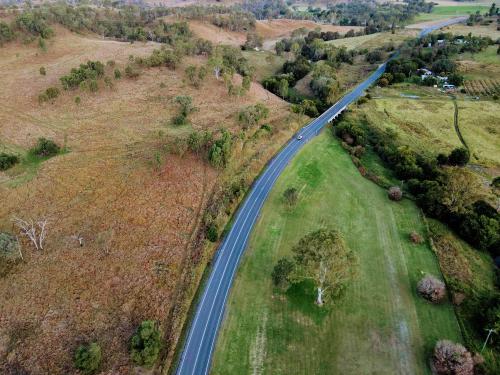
(269, 30)
(216, 34)
(272, 29)
(137, 219)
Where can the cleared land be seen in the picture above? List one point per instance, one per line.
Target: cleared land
(379, 325)
(373, 40)
(426, 121)
(135, 204)
(270, 30)
(479, 30)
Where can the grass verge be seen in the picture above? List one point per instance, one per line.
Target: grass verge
(379, 324)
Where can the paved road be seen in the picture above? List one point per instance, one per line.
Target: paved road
(199, 347)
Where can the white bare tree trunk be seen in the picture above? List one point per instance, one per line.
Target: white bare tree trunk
(319, 299)
(29, 229)
(321, 280)
(217, 70)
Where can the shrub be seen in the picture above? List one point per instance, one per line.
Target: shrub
(431, 289)
(452, 359)
(395, 193)
(45, 148)
(291, 195)
(251, 115)
(416, 238)
(7, 161)
(42, 98)
(8, 245)
(77, 100)
(212, 234)
(130, 72)
(146, 344)
(93, 86)
(43, 71)
(383, 82)
(52, 92)
(281, 271)
(118, 74)
(88, 358)
(459, 156)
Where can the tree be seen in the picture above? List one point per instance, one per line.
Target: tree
(291, 195)
(452, 359)
(461, 189)
(281, 272)
(283, 88)
(216, 62)
(88, 358)
(146, 344)
(459, 156)
(253, 41)
(246, 83)
(431, 289)
(186, 108)
(279, 47)
(323, 257)
(190, 72)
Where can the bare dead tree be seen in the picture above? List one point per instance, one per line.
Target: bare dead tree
(42, 224)
(79, 238)
(36, 232)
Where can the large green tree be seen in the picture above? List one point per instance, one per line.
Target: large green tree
(323, 257)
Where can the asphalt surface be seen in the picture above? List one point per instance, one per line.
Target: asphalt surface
(199, 346)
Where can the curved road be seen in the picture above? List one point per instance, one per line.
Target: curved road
(198, 349)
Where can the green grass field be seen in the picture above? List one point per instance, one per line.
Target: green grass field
(447, 11)
(265, 63)
(373, 40)
(378, 326)
(426, 123)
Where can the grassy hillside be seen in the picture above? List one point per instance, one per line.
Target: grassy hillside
(123, 185)
(379, 325)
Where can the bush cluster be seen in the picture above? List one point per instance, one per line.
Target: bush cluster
(146, 344)
(45, 148)
(90, 71)
(7, 161)
(450, 358)
(88, 358)
(432, 289)
(49, 94)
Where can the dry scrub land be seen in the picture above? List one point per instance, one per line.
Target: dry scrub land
(135, 203)
(270, 31)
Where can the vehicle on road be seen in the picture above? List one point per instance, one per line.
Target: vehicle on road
(299, 137)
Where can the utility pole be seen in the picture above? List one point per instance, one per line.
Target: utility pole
(490, 331)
